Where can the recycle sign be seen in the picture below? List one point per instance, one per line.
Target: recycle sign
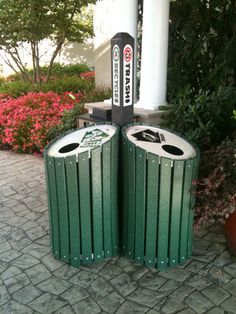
(93, 138)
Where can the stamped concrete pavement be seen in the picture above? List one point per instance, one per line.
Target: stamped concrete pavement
(32, 281)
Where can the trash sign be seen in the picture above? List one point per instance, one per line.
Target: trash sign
(122, 64)
(160, 142)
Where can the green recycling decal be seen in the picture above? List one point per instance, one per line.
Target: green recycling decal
(93, 138)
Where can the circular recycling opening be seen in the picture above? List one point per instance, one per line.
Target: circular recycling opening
(68, 148)
(82, 140)
(173, 150)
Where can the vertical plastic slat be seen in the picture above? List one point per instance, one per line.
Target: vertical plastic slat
(73, 206)
(114, 199)
(140, 204)
(124, 226)
(152, 209)
(53, 206)
(96, 166)
(85, 207)
(131, 198)
(186, 208)
(175, 215)
(63, 208)
(106, 168)
(164, 212)
(191, 214)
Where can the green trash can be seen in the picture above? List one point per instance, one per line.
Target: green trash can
(159, 168)
(81, 176)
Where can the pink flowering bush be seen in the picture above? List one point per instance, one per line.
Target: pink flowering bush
(88, 75)
(25, 122)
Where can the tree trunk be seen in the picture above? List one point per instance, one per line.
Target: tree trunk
(55, 53)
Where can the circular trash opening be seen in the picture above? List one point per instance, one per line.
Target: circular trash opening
(173, 150)
(68, 148)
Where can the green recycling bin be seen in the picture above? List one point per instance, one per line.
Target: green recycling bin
(158, 170)
(81, 176)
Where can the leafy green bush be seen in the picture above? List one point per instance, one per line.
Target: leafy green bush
(205, 118)
(202, 45)
(69, 84)
(65, 84)
(16, 89)
(97, 94)
(58, 70)
(68, 121)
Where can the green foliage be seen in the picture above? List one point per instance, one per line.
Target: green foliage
(69, 84)
(60, 85)
(68, 69)
(17, 88)
(202, 45)
(205, 118)
(57, 70)
(68, 121)
(97, 94)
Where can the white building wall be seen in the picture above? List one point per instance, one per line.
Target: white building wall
(70, 53)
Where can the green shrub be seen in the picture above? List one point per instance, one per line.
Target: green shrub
(68, 121)
(70, 69)
(205, 118)
(17, 88)
(65, 84)
(58, 70)
(201, 47)
(97, 94)
(69, 84)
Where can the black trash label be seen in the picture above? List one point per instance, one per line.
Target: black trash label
(147, 136)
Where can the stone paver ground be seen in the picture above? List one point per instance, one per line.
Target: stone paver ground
(32, 281)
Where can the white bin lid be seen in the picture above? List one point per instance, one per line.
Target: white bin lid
(160, 142)
(82, 140)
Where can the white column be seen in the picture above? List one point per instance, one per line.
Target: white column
(125, 17)
(125, 20)
(153, 78)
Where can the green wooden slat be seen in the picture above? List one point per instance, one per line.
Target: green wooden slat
(106, 169)
(53, 206)
(124, 225)
(63, 209)
(85, 207)
(186, 208)
(152, 209)
(73, 206)
(49, 203)
(176, 206)
(190, 234)
(131, 198)
(96, 165)
(114, 199)
(164, 213)
(191, 215)
(140, 204)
